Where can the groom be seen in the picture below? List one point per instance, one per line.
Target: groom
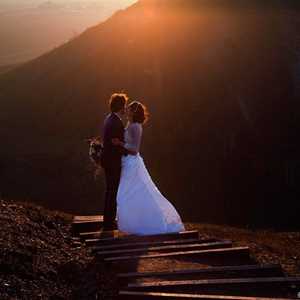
(111, 157)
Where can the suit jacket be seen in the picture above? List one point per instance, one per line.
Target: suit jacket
(113, 128)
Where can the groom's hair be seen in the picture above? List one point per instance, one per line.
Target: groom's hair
(117, 101)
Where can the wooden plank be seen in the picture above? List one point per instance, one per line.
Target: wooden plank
(193, 234)
(91, 235)
(169, 248)
(128, 295)
(222, 251)
(294, 280)
(103, 234)
(80, 219)
(224, 270)
(87, 225)
(131, 237)
(217, 284)
(131, 245)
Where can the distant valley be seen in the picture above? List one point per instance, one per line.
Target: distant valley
(31, 28)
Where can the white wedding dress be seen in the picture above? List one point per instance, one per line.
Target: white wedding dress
(141, 208)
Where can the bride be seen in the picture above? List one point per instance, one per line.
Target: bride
(141, 208)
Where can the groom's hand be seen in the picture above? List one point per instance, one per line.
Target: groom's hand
(117, 142)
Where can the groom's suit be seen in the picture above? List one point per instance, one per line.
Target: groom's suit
(111, 162)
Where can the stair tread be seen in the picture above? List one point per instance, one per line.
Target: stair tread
(194, 296)
(210, 251)
(200, 270)
(166, 236)
(94, 218)
(251, 280)
(143, 244)
(169, 248)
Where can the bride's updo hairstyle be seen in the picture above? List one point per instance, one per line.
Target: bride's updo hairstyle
(139, 112)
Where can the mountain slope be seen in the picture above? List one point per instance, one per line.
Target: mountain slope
(217, 78)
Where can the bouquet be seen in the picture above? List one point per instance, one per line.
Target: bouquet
(95, 153)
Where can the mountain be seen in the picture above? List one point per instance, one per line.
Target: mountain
(220, 80)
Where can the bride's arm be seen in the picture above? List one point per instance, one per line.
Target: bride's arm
(135, 132)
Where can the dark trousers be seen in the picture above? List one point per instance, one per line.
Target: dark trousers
(112, 178)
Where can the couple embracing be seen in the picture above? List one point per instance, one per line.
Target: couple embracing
(130, 193)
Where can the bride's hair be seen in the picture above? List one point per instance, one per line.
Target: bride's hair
(140, 112)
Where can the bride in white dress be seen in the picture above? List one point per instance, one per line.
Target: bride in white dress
(141, 208)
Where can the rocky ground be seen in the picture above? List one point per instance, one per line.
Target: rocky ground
(39, 261)
(266, 246)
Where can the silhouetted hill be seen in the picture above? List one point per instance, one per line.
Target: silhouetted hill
(220, 80)
(5, 69)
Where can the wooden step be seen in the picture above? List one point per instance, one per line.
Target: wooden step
(132, 245)
(86, 223)
(97, 218)
(129, 295)
(210, 272)
(259, 286)
(193, 234)
(237, 251)
(136, 244)
(161, 249)
(96, 235)
(102, 234)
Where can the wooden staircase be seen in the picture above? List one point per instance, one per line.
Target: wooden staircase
(182, 266)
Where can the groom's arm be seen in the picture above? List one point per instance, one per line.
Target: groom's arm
(123, 150)
(133, 147)
(117, 142)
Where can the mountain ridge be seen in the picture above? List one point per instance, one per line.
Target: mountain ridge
(218, 81)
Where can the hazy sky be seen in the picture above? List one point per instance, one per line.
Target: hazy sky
(29, 28)
(36, 2)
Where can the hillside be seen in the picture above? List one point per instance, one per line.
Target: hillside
(28, 29)
(6, 68)
(218, 79)
(267, 246)
(38, 259)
